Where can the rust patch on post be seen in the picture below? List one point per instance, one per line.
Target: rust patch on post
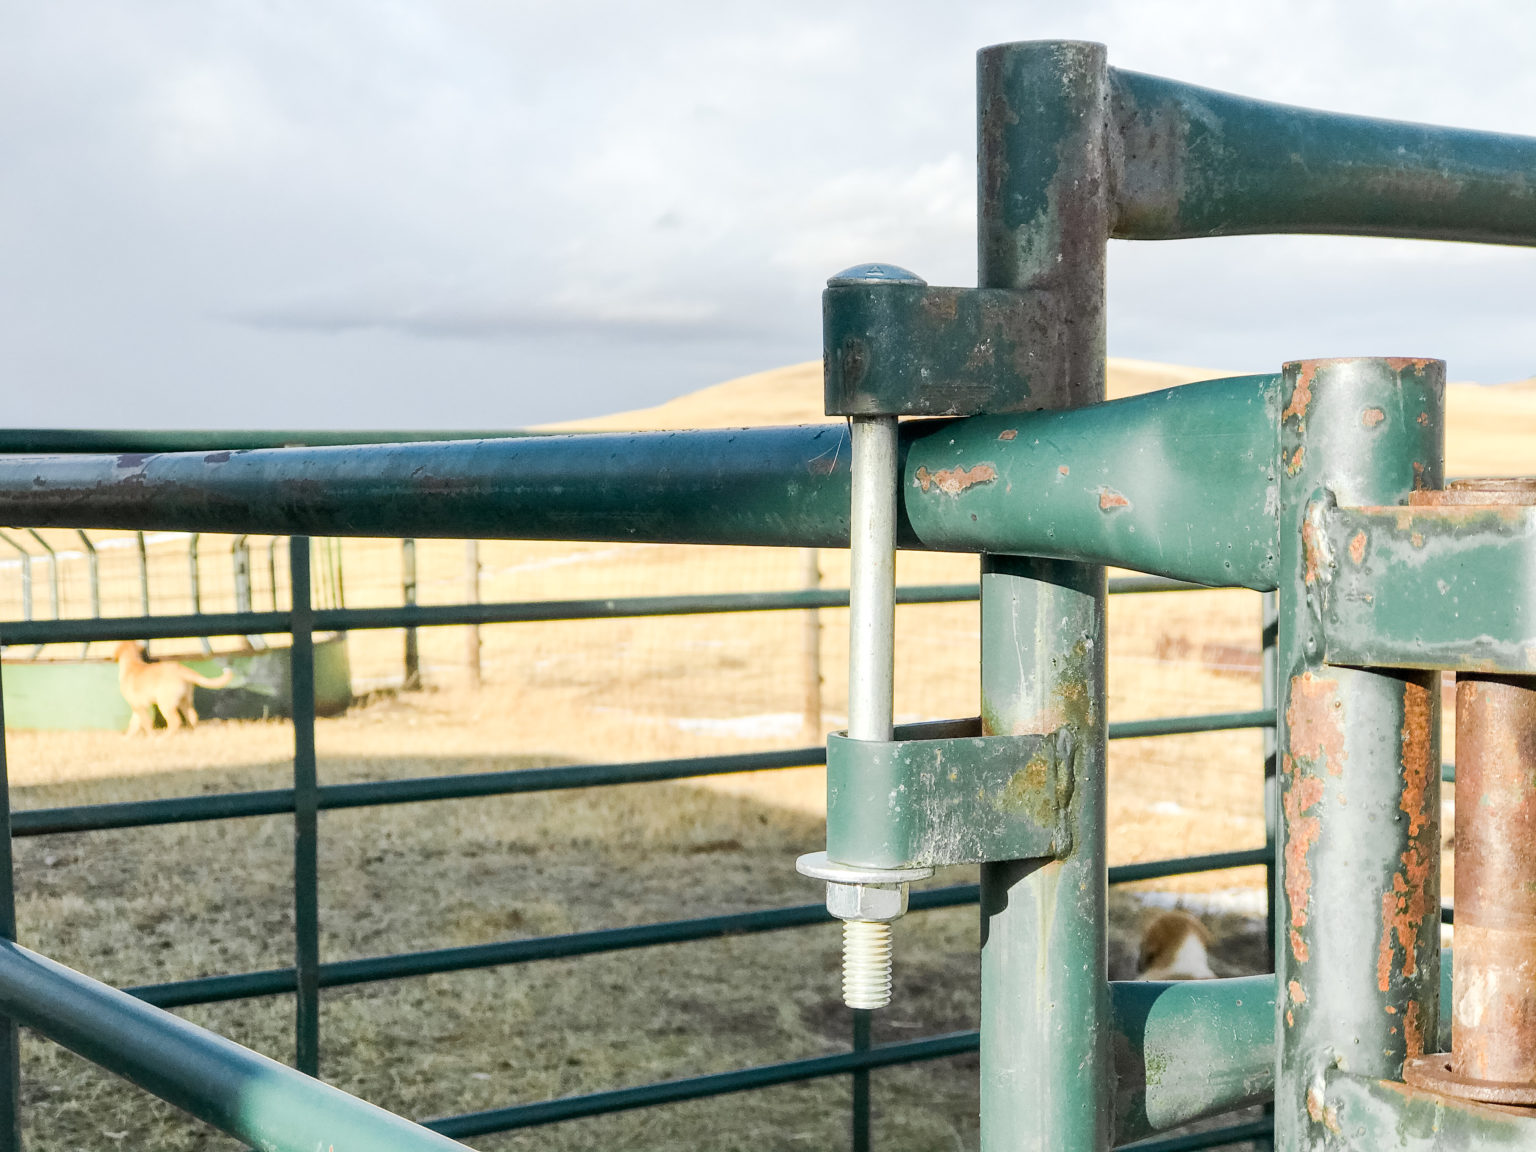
(1357, 547)
(1110, 499)
(1301, 398)
(1293, 465)
(1413, 1034)
(953, 481)
(1311, 551)
(1298, 993)
(1314, 740)
(1064, 470)
(1372, 417)
(1405, 908)
(1008, 434)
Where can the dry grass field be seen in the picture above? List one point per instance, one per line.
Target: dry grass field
(158, 904)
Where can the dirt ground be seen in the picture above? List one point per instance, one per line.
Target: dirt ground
(158, 904)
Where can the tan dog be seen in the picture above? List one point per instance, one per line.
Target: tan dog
(1174, 947)
(147, 684)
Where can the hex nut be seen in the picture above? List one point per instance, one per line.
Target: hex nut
(866, 901)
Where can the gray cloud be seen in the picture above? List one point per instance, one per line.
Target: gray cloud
(421, 213)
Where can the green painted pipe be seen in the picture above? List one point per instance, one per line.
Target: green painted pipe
(1190, 1049)
(1196, 162)
(1181, 482)
(1127, 483)
(269, 1106)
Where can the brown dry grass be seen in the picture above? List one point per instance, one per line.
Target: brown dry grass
(166, 903)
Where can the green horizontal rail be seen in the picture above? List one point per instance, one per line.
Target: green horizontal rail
(1129, 1003)
(36, 441)
(466, 785)
(254, 1099)
(759, 487)
(112, 628)
(1197, 162)
(277, 981)
(700, 1087)
(1186, 725)
(1210, 1138)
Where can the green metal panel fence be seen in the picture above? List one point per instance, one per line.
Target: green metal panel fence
(1321, 483)
(308, 975)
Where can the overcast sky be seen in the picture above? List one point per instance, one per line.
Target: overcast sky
(396, 213)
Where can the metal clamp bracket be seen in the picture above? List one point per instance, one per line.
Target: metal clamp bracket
(964, 800)
(894, 346)
(1425, 586)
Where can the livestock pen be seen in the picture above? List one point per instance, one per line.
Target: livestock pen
(1321, 483)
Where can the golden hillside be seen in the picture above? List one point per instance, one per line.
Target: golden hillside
(1491, 430)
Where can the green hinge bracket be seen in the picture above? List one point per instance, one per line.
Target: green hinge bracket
(957, 800)
(898, 347)
(1447, 587)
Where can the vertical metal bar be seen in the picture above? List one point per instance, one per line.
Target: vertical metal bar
(871, 638)
(341, 590)
(862, 1019)
(306, 795)
(872, 580)
(195, 587)
(1493, 1036)
(472, 595)
(1043, 226)
(93, 572)
(412, 680)
(272, 571)
(810, 649)
(240, 557)
(26, 574)
(143, 574)
(1269, 655)
(53, 571)
(1358, 965)
(10, 1041)
(93, 564)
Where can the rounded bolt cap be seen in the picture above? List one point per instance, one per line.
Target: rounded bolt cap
(818, 867)
(877, 274)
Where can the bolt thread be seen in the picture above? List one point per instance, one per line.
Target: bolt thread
(866, 963)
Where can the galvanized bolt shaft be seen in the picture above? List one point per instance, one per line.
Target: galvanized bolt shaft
(867, 900)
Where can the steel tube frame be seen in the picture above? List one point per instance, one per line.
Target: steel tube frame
(1359, 756)
(236, 1090)
(1043, 220)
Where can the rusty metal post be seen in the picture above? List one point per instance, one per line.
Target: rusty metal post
(1358, 959)
(1493, 1009)
(1043, 225)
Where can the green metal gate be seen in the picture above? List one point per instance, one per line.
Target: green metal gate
(1322, 483)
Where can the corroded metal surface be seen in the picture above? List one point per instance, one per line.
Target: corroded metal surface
(1495, 996)
(1129, 482)
(900, 349)
(1191, 161)
(1042, 227)
(1190, 1049)
(1359, 756)
(894, 804)
(1367, 1114)
(1445, 584)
